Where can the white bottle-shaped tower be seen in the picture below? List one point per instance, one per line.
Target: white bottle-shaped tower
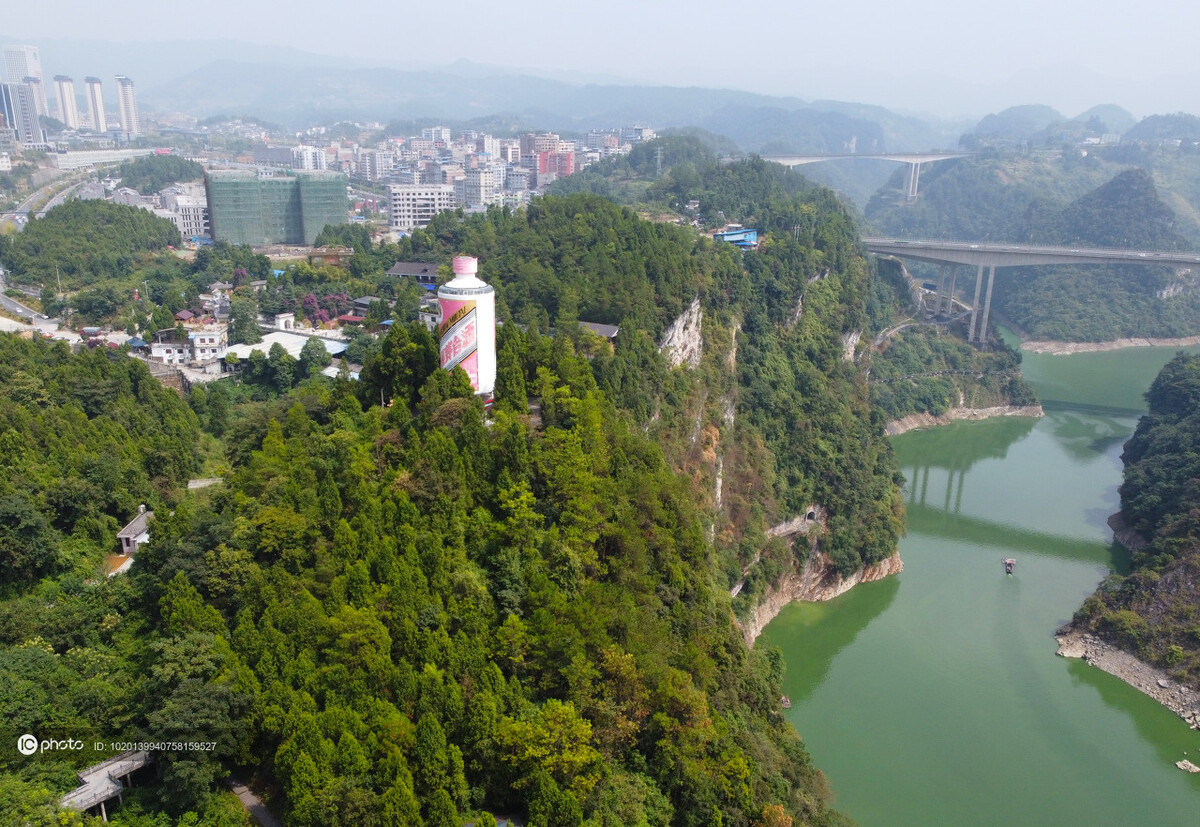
(467, 333)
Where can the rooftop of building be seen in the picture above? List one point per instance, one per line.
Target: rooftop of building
(412, 268)
(137, 525)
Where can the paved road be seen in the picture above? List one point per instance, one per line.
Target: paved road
(253, 804)
(15, 307)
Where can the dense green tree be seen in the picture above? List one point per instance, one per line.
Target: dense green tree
(151, 173)
(243, 322)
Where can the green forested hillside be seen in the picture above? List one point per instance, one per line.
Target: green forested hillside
(152, 173)
(1153, 611)
(408, 614)
(84, 439)
(83, 242)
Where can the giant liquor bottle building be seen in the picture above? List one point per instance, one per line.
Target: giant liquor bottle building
(467, 333)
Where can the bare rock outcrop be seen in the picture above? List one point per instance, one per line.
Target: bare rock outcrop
(1149, 680)
(682, 344)
(1124, 534)
(816, 580)
(923, 420)
(1067, 348)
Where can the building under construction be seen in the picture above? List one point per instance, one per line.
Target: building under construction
(282, 209)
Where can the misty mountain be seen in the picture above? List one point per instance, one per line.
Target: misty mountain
(1018, 123)
(1177, 127)
(1114, 118)
(299, 96)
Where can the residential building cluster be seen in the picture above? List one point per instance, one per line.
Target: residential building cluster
(24, 101)
(439, 170)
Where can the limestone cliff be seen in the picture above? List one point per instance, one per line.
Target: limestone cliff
(682, 344)
(923, 420)
(817, 579)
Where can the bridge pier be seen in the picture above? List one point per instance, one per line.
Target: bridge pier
(914, 176)
(975, 304)
(987, 304)
(941, 291)
(950, 297)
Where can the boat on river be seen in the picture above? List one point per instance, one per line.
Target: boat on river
(1009, 565)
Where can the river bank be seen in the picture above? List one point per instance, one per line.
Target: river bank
(924, 420)
(1149, 680)
(816, 581)
(1067, 348)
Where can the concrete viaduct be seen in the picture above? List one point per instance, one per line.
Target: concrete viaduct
(951, 254)
(913, 159)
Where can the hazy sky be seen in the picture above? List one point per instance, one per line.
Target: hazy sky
(934, 55)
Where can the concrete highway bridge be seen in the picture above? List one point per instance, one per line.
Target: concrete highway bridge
(952, 254)
(913, 159)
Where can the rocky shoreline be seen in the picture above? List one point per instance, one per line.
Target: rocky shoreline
(924, 420)
(818, 580)
(1067, 348)
(1147, 679)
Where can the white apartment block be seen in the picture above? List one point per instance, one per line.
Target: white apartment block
(127, 106)
(95, 101)
(188, 206)
(308, 157)
(209, 342)
(203, 344)
(414, 205)
(64, 88)
(436, 135)
(374, 164)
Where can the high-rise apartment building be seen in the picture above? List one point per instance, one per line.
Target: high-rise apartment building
(95, 101)
(283, 209)
(64, 87)
(127, 106)
(414, 205)
(21, 62)
(19, 111)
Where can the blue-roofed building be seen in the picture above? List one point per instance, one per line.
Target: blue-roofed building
(746, 239)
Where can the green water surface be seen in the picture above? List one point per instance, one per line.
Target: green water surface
(935, 697)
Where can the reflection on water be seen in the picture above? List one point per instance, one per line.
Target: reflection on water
(936, 698)
(825, 629)
(1085, 436)
(934, 522)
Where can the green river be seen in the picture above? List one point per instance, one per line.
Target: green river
(935, 697)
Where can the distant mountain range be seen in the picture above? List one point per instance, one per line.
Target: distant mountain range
(297, 89)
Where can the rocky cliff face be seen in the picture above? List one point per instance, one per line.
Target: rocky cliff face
(682, 344)
(816, 580)
(1125, 535)
(924, 420)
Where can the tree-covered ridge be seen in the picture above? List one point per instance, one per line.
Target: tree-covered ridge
(1153, 611)
(83, 242)
(153, 173)
(788, 390)
(84, 439)
(401, 615)
(565, 257)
